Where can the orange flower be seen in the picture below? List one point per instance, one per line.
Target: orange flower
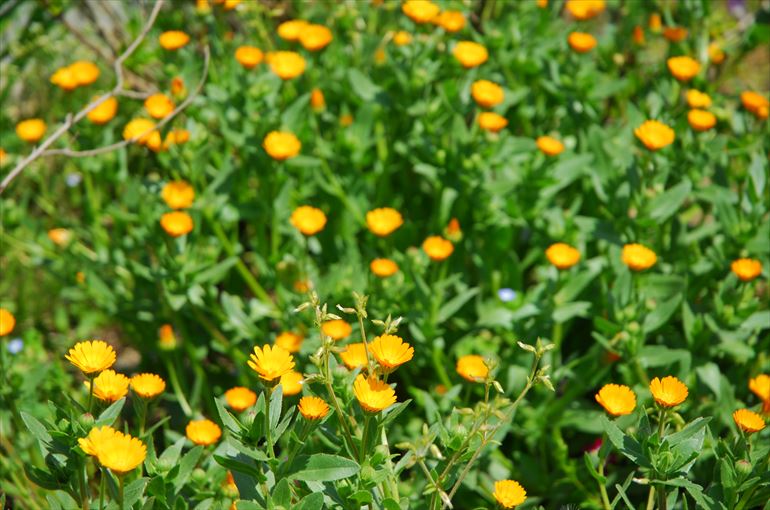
(437, 248)
(675, 34)
(178, 194)
(584, 9)
(760, 386)
(697, 99)
(337, 329)
(64, 78)
(562, 255)
(312, 408)
(291, 382)
(654, 23)
(486, 93)
(581, 42)
(248, 56)
(173, 39)
(402, 38)
(472, 367)
(383, 221)
(159, 106)
(669, 391)
(491, 121)
(420, 11)
(109, 386)
(752, 101)
(177, 87)
(383, 267)
(470, 54)
(542, 4)
(281, 145)
(177, 223)
(683, 68)
(240, 398)
(638, 35)
(271, 363)
(716, 53)
(655, 135)
(549, 146)
(315, 37)
(286, 64)
(145, 130)
(84, 72)
(354, 356)
(701, 120)
(616, 399)
(59, 236)
(746, 269)
(748, 421)
(105, 112)
(203, 432)
(31, 130)
(346, 120)
(148, 386)
(391, 351)
(453, 231)
(450, 21)
(509, 493)
(379, 56)
(7, 322)
(317, 101)
(291, 342)
(638, 257)
(308, 220)
(291, 30)
(372, 394)
(176, 137)
(166, 337)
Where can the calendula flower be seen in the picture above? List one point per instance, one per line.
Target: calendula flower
(148, 385)
(472, 367)
(453, 231)
(91, 357)
(3, 157)
(655, 135)
(748, 421)
(562, 255)
(509, 493)
(166, 337)
(697, 99)
(346, 120)
(64, 78)
(549, 146)
(31, 130)
(450, 21)
(270, 363)
(173, 39)
(177, 137)
(617, 399)
(145, 133)
(716, 53)
(291, 382)
(420, 11)
(7, 322)
(654, 22)
(281, 145)
(291, 342)
(177, 87)
(97, 436)
(638, 35)
(437, 248)
(760, 386)
(675, 34)
(373, 394)
(701, 120)
(178, 194)
(669, 391)
(638, 257)
(337, 329)
(752, 101)
(286, 64)
(354, 356)
(383, 221)
(486, 93)
(84, 72)
(584, 9)
(315, 37)
(312, 408)
(248, 56)
(158, 106)
(581, 42)
(177, 223)
(390, 351)
(105, 112)
(291, 30)
(121, 453)
(229, 5)
(402, 38)
(308, 220)
(491, 121)
(470, 54)
(109, 386)
(317, 101)
(240, 398)
(683, 68)
(203, 432)
(746, 269)
(383, 268)
(59, 236)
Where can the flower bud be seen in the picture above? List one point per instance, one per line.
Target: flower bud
(743, 467)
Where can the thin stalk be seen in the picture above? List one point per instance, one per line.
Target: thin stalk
(121, 483)
(367, 419)
(101, 489)
(268, 433)
(141, 411)
(366, 343)
(602, 489)
(174, 380)
(333, 397)
(90, 393)
(83, 487)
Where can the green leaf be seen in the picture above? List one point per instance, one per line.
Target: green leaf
(227, 419)
(592, 470)
(757, 321)
(325, 468)
(282, 493)
(276, 401)
(661, 314)
(171, 455)
(665, 205)
(133, 491)
(451, 307)
(569, 311)
(362, 85)
(758, 172)
(392, 412)
(186, 466)
(110, 414)
(311, 502)
(625, 444)
(694, 490)
(36, 428)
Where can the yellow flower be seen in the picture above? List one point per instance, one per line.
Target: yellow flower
(354, 356)
(383, 267)
(486, 93)
(562, 255)
(491, 121)
(669, 391)
(291, 382)
(145, 130)
(281, 145)
(203, 432)
(701, 120)
(121, 453)
(109, 386)
(748, 421)
(317, 101)
(337, 329)
(7, 322)
(470, 54)
(270, 363)
(229, 5)
(315, 37)
(638, 35)
(240, 398)
(64, 78)
(716, 53)
(654, 135)
(683, 68)
(654, 23)
(158, 106)
(617, 399)
(697, 99)
(308, 219)
(752, 101)
(509, 493)
(549, 146)
(391, 351)
(291, 30)
(166, 337)
(638, 257)
(202, 6)
(31, 130)
(383, 221)
(177, 223)
(286, 64)
(173, 39)
(105, 112)
(84, 72)
(248, 56)
(148, 385)
(584, 9)
(91, 357)
(581, 42)
(420, 11)
(760, 386)
(373, 394)
(402, 38)
(59, 236)
(289, 341)
(746, 269)
(437, 248)
(450, 21)
(97, 436)
(675, 34)
(178, 194)
(472, 367)
(312, 408)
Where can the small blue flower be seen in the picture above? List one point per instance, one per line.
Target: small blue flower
(15, 346)
(506, 295)
(73, 179)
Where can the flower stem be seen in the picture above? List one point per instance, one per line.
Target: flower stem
(101, 489)
(268, 433)
(121, 483)
(90, 393)
(602, 488)
(367, 419)
(333, 397)
(172, 376)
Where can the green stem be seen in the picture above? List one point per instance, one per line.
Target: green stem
(602, 488)
(101, 489)
(651, 498)
(174, 380)
(121, 484)
(369, 366)
(90, 393)
(337, 409)
(141, 411)
(268, 432)
(367, 419)
(83, 487)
